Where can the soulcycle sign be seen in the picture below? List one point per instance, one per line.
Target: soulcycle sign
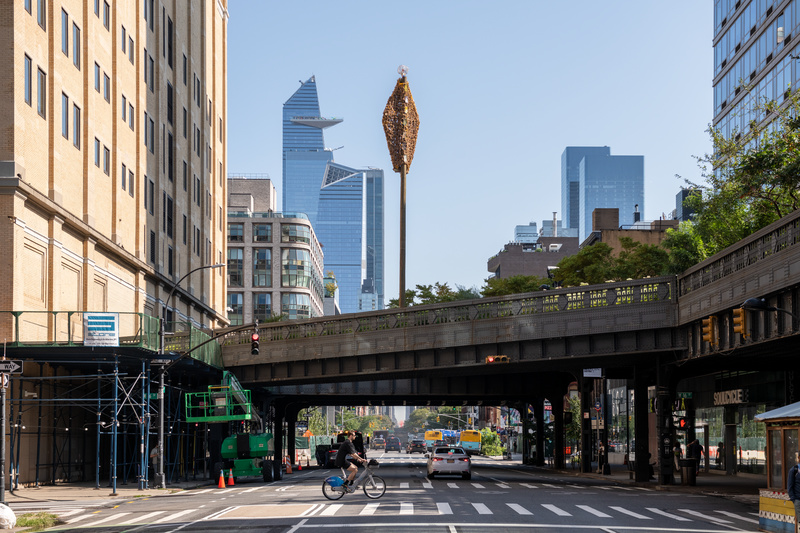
(730, 397)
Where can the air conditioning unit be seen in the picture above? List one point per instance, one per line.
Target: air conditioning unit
(554, 247)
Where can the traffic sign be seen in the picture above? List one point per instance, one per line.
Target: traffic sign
(597, 405)
(11, 367)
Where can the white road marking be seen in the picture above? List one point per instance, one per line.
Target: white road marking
(143, 517)
(551, 486)
(172, 517)
(556, 510)
(252, 490)
(406, 508)
(734, 515)
(68, 513)
(201, 491)
(502, 486)
(452, 485)
(427, 485)
(369, 509)
(478, 486)
(79, 518)
(593, 511)
(529, 485)
(106, 519)
(331, 509)
(630, 513)
(403, 485)
(481, 508)
(707, 517)
(519, 509)
(668, 515)
(444, 508)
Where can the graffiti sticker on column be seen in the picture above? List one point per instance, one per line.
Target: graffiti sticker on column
(101, 329)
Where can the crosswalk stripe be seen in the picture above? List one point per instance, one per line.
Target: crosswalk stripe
(403, 485)
(502, 486)
(630, 513)
(172, 517)
(444, 508)
(478, 485)
(556, 510)
(68, 513)
(79, 518)
(481, 508)
(331, 509)
(226, 490)
(552, 486)
(252, 490)
(519, 509)
(452, 485)
(734, 515)
(624, 488)
(427, 485)
(708, 517)
(143, 517)
(643, 489)
(668, 515)
(604, 488)
(202, 491)
(593, 511)
(406, 508)
(104, 520)
(528, 485)
(369, 509)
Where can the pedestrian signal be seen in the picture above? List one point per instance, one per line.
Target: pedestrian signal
(683, 423)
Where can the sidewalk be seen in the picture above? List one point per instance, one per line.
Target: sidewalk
(77, 492)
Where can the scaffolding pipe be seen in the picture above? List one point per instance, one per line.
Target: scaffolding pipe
(97, 455)
(142, 447)
(114, 431)
(39, 429)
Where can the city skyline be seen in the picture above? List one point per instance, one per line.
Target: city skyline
(496, 112)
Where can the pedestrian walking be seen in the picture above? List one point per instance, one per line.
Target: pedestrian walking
(695, 451)
(720, 455)
(793, 486)
(677, 452)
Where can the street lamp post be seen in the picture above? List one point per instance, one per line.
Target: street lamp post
(401, 124)
(162, 385)
(760, 304)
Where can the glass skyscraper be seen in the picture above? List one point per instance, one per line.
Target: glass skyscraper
(591, 178)
(345, 205)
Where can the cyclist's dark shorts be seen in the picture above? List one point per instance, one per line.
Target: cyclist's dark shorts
(346, 464)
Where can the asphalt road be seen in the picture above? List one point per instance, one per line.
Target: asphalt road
(499, 497)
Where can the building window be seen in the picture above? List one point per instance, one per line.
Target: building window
(41, 93)
(170, 217)
(150, 66)
(130, 49)
(170, 51)
(153, 247)
(235, 232)
(262, 232)
(235, 308)
(295, 233)
(130, 182)
(170, 106)
(262, 306)
(97, 77)
(184, 228)
(130, 115)
(146, 197)
(262, 267)
(152, 196)
(41, 13)
(295, 306)
(64, 33)
(185, 70)
(76, 46)
(28, 74)
(106, 88)
(235, 264)
(295, 268)
(185, 175)
(106, 160)
(106, 15)
(97, 7)
(152, 136)
(76, 126)
(170, 157)
(28, 6)
(184, 122)
(124, 109)
(124, 40)
(124, 174)
(97, 152)
(170, 261)
(64, 116)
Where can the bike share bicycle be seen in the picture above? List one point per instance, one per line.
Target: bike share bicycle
(374, 487)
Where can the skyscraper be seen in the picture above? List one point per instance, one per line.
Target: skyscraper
(595, 178)
(754, 58)
(344, 205)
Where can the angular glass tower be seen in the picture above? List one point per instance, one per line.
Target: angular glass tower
(345, 205)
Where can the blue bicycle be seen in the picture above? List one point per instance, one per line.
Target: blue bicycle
(374, 486)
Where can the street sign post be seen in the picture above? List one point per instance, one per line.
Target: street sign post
(11, 367)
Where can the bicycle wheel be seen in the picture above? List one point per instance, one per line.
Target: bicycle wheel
(331, 492)
(374, 487)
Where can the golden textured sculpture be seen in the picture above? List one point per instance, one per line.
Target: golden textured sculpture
(401, 124)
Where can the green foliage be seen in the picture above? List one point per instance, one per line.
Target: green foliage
(418, 419)
(685, 247)
(513, 285)
(435, 294)
(316, 420)
(592, 264)
(490, 443)
(573, 429)
(637, 260)
(37, 521)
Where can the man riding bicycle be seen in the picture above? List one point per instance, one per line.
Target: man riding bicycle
(347, 450)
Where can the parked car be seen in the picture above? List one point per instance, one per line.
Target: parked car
(392, 444)
(416, 445)
(330, 463)
(377, 442)
(449, 460)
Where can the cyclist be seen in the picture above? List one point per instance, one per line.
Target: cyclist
(347, 451)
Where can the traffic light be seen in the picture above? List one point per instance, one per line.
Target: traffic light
(254, 343)
(709, 330)
(497, 359)
(740, 322)
(683, 423)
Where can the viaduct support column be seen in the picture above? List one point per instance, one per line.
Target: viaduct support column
(641, 423)
(280, 414)
(558, 431)
(587, 450)
(291, 444)
(538, 413)
(665, 394)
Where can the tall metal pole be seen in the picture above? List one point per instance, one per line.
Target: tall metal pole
(3, 443)
(162, 482)
(403, 235)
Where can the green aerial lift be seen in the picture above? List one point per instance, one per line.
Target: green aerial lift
(245, 454)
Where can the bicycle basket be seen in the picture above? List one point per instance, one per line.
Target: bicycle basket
(373, 463)
(334, 481)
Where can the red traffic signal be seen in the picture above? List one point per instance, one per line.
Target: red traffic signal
(254, 343)
(254, 337)
(497, 359)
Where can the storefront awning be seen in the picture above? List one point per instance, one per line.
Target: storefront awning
(787, 411)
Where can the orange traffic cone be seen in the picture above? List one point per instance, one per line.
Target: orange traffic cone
(299, 466)
(230, 477)
(288, 465)
(221, 483)
(307, 462)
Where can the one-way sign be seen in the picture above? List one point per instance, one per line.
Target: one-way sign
(11, 367)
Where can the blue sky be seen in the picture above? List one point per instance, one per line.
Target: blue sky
(501, 89)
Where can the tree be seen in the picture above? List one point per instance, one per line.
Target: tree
(514, 285)
(684, 246)
(592, 264)
(637, 260)
(418, 419)
(435, 294)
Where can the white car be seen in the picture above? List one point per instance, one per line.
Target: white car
(449, 460)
